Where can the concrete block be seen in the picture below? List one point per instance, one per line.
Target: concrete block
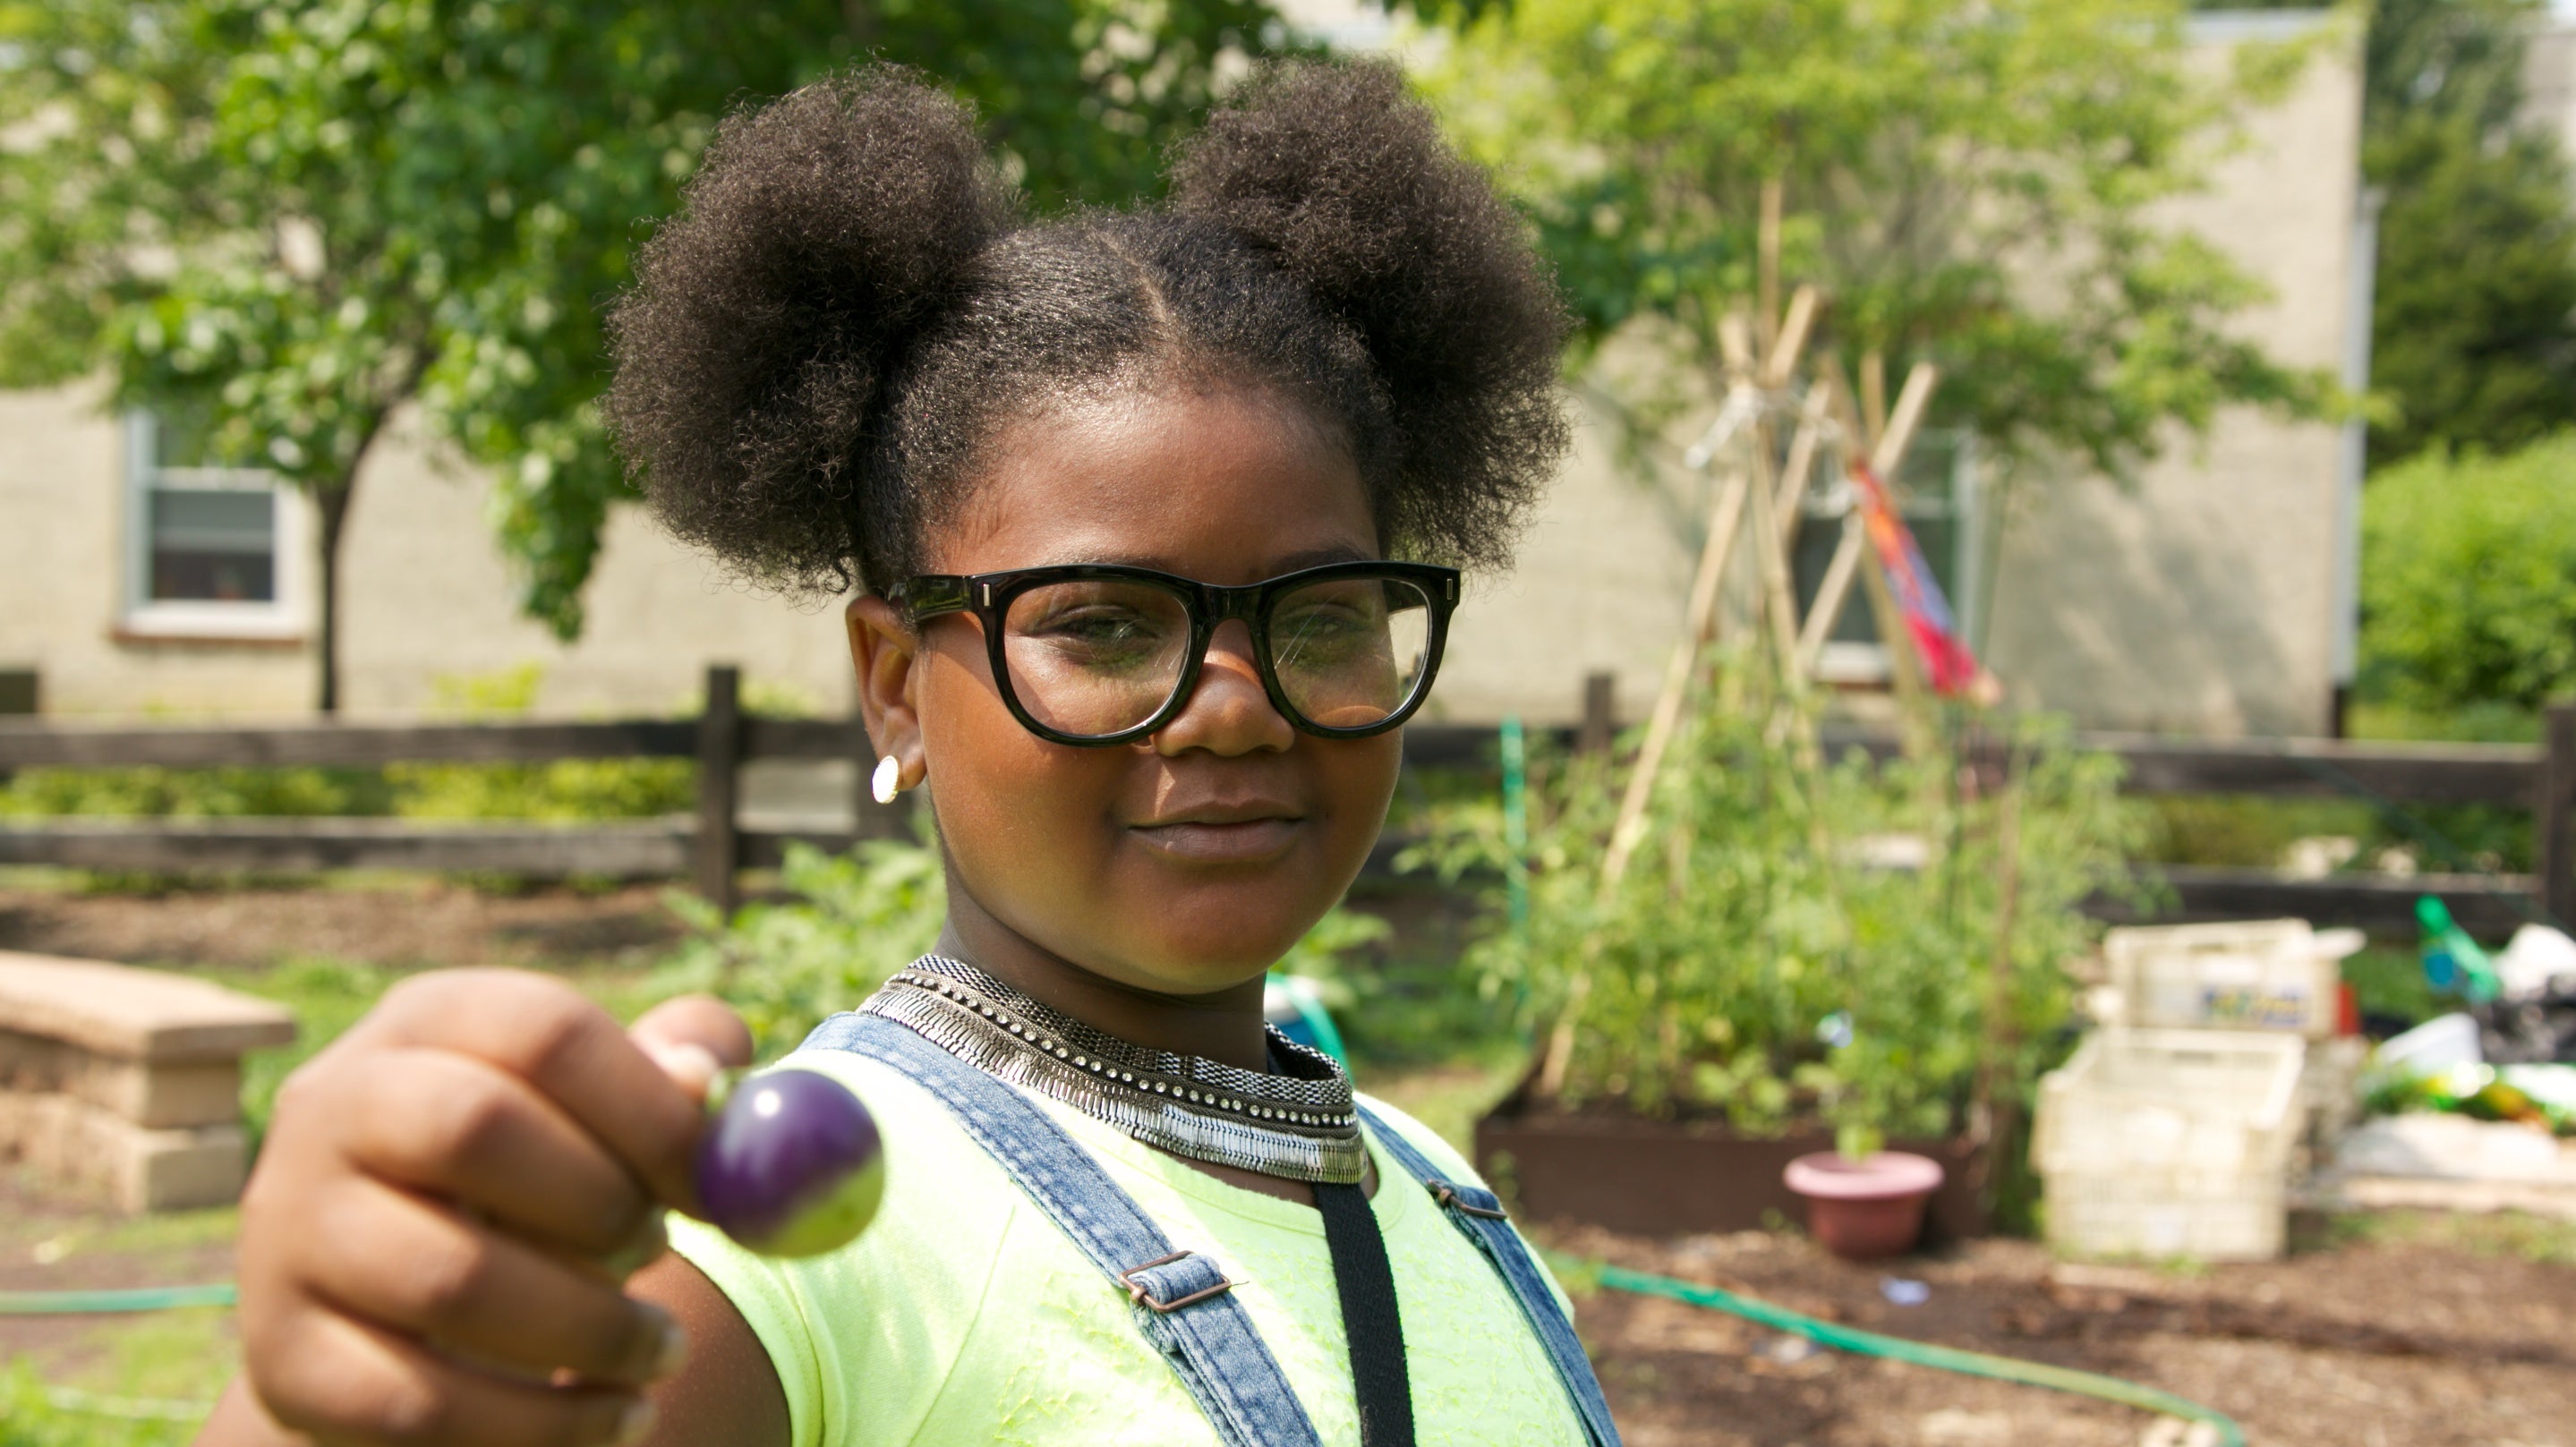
(132, 1014)
(159, 1095)
(91, 1148)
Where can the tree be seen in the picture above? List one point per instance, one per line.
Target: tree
(294, 217)
(1970, 180)
(2469, 581)
(2473, 326)
(2473, 330)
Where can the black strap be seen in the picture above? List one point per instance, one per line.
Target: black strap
(1370, 1319)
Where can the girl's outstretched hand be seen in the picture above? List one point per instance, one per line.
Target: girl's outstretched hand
(449, 1200)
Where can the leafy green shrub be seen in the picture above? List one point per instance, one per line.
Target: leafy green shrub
(561, 790)
(193, 793)
(2469, 579)
(1798, 939)
(853, 919)
(558, 790)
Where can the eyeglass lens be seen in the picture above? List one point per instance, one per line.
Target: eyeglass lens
(1093, 657)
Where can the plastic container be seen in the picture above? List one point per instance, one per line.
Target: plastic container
(2256, 975)
(2170, 1143)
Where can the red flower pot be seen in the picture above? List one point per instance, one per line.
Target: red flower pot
(1866, 1209)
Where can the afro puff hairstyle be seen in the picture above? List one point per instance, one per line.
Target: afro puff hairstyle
(850, 304)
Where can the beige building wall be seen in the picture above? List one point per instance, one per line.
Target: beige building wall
(2549, 82)
(2202, 601)
(425, 594)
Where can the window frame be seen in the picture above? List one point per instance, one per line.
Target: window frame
(1854, 663)
(284, 618)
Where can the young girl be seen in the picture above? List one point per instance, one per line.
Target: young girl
(1121, 498)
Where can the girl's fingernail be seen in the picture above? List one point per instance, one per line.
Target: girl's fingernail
(691, 1065)
(635, 1425)
(649, 1246)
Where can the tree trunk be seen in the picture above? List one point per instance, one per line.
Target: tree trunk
(331, 504)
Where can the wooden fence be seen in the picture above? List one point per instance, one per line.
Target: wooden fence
(711, 847)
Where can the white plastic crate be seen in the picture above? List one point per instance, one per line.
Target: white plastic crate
(2254, 975)
(2170, 1143)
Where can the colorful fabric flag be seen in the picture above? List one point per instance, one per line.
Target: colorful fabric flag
(1947, 662)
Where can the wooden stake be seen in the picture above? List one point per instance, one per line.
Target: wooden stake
(1904, 670)
(1991, 1114)
(1735, 346)
(1873, 393)
(1698, 623)
(1766, 249)
(1779, 599)
(1780, 362)
(1830, 593)
(1896, 432)
(1800, 469)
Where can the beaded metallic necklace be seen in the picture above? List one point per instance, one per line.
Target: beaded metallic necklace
(1298, 1123)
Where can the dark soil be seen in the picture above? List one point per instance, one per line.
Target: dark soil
(54, 1242)
(2391, 1343)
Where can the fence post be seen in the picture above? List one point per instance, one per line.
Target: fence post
(2553, 831)
(719, 843)
(1600, 713)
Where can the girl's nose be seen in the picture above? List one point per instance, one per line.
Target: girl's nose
(1228, 711)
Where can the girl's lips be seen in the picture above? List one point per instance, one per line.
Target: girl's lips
(1240, 842)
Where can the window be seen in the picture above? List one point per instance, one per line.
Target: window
(1937, 494)
(212, 551)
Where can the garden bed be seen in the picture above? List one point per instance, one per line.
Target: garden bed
(1622, 1172)
(2383, 1330)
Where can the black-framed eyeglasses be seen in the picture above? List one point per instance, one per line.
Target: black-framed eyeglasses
(1098, 654)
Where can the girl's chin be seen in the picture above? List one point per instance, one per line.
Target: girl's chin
(1190, 951)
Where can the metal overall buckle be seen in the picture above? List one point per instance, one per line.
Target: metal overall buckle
(1447, 1195)
(1144, 1297)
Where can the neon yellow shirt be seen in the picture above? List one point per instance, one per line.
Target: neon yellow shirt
(965, 1316)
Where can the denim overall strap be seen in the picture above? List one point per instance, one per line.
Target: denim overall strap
(1479, 1216)
(1182, 1302)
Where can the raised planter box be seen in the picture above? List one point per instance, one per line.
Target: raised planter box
(1667, 1178)
(125, 1082)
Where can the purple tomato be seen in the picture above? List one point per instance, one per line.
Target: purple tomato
(792, 1164)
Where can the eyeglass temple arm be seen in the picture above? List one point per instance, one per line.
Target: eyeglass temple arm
(931, 594)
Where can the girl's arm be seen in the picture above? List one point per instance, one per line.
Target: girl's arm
(437, 1240)
(727, 1393)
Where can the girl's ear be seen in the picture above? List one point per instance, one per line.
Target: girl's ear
(884, 651)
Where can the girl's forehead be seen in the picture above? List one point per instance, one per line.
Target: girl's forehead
(1223, 485)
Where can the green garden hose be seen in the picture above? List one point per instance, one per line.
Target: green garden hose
(1871, 1344)
(86, 1303)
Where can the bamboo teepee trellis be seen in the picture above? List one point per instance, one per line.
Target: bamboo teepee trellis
(1761, 491)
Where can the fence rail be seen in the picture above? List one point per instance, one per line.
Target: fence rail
(712, 846)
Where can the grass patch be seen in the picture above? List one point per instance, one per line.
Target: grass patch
(170, 1232)
(34, 1414)
(2506, 1235)
(2390, 981)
